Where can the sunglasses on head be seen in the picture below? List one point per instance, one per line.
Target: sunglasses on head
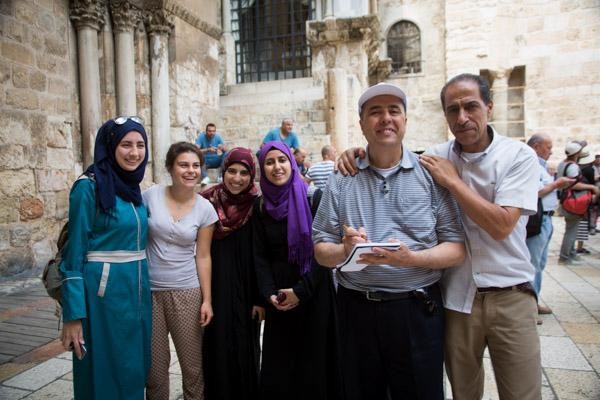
(134, 118)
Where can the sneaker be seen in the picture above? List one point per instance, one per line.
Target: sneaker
(544, 310)
(583, 251)
(568, 261)
(205, 181)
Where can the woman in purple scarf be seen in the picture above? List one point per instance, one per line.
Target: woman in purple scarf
(299, 355)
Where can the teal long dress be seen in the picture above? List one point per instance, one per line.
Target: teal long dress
(110, 293)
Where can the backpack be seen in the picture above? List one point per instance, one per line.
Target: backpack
(576, 201)
(52, 277)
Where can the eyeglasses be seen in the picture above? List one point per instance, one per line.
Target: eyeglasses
(134, 118)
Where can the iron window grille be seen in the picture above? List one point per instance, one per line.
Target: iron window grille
(270, 39)
(404, 48)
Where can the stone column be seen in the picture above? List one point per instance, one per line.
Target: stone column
(159, 24)
(344, 57)
(500, 98)
(373, 7)
(228, 43)
(337, 105)
(88, 18)
(328, 8)
(125, 18)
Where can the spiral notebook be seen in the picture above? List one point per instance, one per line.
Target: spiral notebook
(351, 262)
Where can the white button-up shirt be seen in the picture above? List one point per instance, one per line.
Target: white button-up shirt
(550, 200)
(506, 174)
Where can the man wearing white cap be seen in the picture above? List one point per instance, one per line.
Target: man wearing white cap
(390, 312)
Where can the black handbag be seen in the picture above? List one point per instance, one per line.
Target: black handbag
(534, 223)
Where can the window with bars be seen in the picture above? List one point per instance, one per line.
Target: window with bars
(270, 39)
(404, 47)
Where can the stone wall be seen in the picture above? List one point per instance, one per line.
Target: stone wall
(426, 125)
(558, 42)
(38, 127)
(40, 139)
(252, 109)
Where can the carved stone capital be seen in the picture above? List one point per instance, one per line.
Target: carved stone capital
(337, 31)
(159, 21)
(382, 71)
(88, 13)
(125, 16)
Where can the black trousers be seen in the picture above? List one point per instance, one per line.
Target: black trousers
(391, 349)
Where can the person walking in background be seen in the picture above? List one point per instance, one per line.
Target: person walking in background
(299, 355)
(569, 168)
(585, 162)
(180, 231)
(541, 143)
(213, 149)
(231, 342)
(105, 292)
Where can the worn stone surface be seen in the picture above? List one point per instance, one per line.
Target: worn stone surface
(41, 375)
(18, 183)
(19, 236)
(31, 208)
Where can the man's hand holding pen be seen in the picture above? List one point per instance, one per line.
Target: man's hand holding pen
(353, 236)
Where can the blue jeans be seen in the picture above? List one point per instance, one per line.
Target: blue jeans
(538, 250)
(214, 161)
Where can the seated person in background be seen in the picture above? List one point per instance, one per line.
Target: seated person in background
(212, 148)
(283, 134)
(319, 172)
(303, 165)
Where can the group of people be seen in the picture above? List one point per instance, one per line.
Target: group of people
(214, 150)
(579, 171)
(207, 269)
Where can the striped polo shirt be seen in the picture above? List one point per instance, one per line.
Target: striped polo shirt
(407, 205)
(319, 172)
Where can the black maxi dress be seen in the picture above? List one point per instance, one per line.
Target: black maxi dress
(231, 341)
(300, 346)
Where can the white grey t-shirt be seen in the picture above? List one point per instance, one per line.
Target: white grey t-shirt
(171, 244)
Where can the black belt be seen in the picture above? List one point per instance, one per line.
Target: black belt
(522, 287)
(550, 213)
(380, 295)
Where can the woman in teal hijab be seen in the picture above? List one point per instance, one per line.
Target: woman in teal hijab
(105, 293)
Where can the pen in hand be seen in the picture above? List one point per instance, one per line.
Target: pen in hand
(362, 234)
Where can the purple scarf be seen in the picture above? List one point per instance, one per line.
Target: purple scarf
(289, 201)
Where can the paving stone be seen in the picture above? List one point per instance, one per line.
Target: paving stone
(175, 387)
(8, 370)
(57, 390)
(12, 393)
(574, 385)
(561, 352)
(40, 375)
(550, 327)
(592, 353)
(583, 333)
(572, 312)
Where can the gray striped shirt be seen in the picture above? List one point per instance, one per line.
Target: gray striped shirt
(407, 205)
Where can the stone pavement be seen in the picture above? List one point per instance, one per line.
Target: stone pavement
(570, 337)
